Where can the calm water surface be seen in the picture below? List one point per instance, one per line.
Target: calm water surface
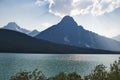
(51, 64)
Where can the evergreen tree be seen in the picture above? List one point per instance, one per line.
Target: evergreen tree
(115, 70)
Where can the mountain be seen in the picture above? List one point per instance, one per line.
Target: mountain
(68, 32)
(13, 26)
(33, 33)
(117, 38)
(16, 42)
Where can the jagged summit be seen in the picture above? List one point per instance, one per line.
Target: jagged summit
(68, 18)
(13, 26)
(12, 23)
(68, 21)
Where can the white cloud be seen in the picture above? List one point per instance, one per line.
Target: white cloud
(40, 2)
(46, 24)
(77, 7)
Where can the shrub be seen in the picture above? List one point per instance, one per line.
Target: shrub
(25, 75)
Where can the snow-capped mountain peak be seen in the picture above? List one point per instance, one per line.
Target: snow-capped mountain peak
(13, 26)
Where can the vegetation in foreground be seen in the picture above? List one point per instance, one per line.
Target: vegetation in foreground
(99, 73)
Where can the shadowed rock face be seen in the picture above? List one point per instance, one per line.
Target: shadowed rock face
(68, 32)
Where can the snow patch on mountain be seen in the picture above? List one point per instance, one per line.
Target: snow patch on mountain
(87, 45)
(66, 39)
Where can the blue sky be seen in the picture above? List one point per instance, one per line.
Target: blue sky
(99, 16)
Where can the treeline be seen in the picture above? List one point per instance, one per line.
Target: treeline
(99, 73)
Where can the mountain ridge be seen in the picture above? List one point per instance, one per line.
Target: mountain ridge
(33, 33)
(68, 32)
(16, 42)
(116, 38)
(13, 26)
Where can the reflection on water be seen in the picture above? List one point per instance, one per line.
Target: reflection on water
(51, 64)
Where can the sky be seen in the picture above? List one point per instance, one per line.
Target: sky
(99, 16)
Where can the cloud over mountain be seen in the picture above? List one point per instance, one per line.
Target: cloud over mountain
(77, 7)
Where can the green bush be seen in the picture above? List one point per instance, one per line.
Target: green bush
(25, 75)
(99, 73)
(64, 76)
(74, 76)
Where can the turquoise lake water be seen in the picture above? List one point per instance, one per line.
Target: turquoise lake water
(51, 64)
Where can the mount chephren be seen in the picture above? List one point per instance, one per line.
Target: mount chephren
(67, 31)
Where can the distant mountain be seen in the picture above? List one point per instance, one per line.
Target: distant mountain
(16, 42)
(117, 38)
(33, 33)
(68, 32)
(13, 26)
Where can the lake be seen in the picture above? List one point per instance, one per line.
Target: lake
(51, 64)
